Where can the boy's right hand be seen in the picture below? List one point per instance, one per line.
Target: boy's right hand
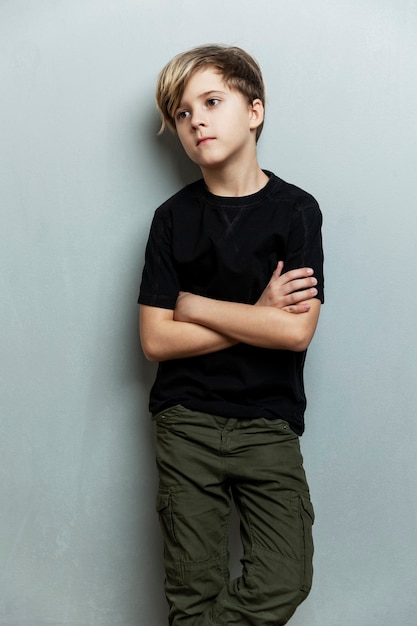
(291, 291)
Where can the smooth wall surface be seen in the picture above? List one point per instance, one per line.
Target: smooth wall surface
(81, 173)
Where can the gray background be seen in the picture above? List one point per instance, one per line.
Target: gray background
(81, 173)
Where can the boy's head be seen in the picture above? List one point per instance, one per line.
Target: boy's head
(238, 69)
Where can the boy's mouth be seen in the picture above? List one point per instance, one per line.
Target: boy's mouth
(204, 140)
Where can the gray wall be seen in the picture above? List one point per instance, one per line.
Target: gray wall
(81, 173)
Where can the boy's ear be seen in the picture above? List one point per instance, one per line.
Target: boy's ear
(257, 113)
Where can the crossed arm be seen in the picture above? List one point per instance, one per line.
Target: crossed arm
(284, 318)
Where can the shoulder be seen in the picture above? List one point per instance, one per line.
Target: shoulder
(288, 191)
(182, 200)
(298, 202)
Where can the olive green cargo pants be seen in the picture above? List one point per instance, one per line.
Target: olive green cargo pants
(205, 462)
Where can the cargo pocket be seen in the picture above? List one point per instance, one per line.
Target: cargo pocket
(166, 521)
(307, 549)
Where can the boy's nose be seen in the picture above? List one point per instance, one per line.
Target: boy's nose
(197, 119)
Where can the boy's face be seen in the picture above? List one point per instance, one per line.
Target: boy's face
(215, 124)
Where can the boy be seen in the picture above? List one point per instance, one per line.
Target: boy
(230, 333)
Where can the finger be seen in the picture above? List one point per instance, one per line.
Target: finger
(296, 297)
(299, 285)
(277, 271)
(294, 291)
(299, 273)
(302, 307)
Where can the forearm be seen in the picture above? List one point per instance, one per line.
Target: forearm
(262, 326)
(164, 338)
(200, 325)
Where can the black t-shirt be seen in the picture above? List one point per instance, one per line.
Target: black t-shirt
(227, 248)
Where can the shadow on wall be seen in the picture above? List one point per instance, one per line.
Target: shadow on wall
(175, 170)
(170, 157)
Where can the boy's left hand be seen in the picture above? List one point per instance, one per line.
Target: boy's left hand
(291, 291)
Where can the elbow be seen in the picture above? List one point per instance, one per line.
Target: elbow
(151, 352)
(300, 345)
(152, 358)
(299, 341)
(154, 327)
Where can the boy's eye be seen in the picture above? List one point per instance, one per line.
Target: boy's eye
(182, 115)
(212, 102)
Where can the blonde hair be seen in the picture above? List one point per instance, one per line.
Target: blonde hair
(239, 70)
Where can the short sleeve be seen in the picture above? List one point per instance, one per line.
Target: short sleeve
(160, 285)
(305, 247)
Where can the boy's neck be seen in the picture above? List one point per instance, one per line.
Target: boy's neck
(232, 183)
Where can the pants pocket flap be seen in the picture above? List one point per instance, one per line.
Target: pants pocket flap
(308, 507)
(162, 500)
